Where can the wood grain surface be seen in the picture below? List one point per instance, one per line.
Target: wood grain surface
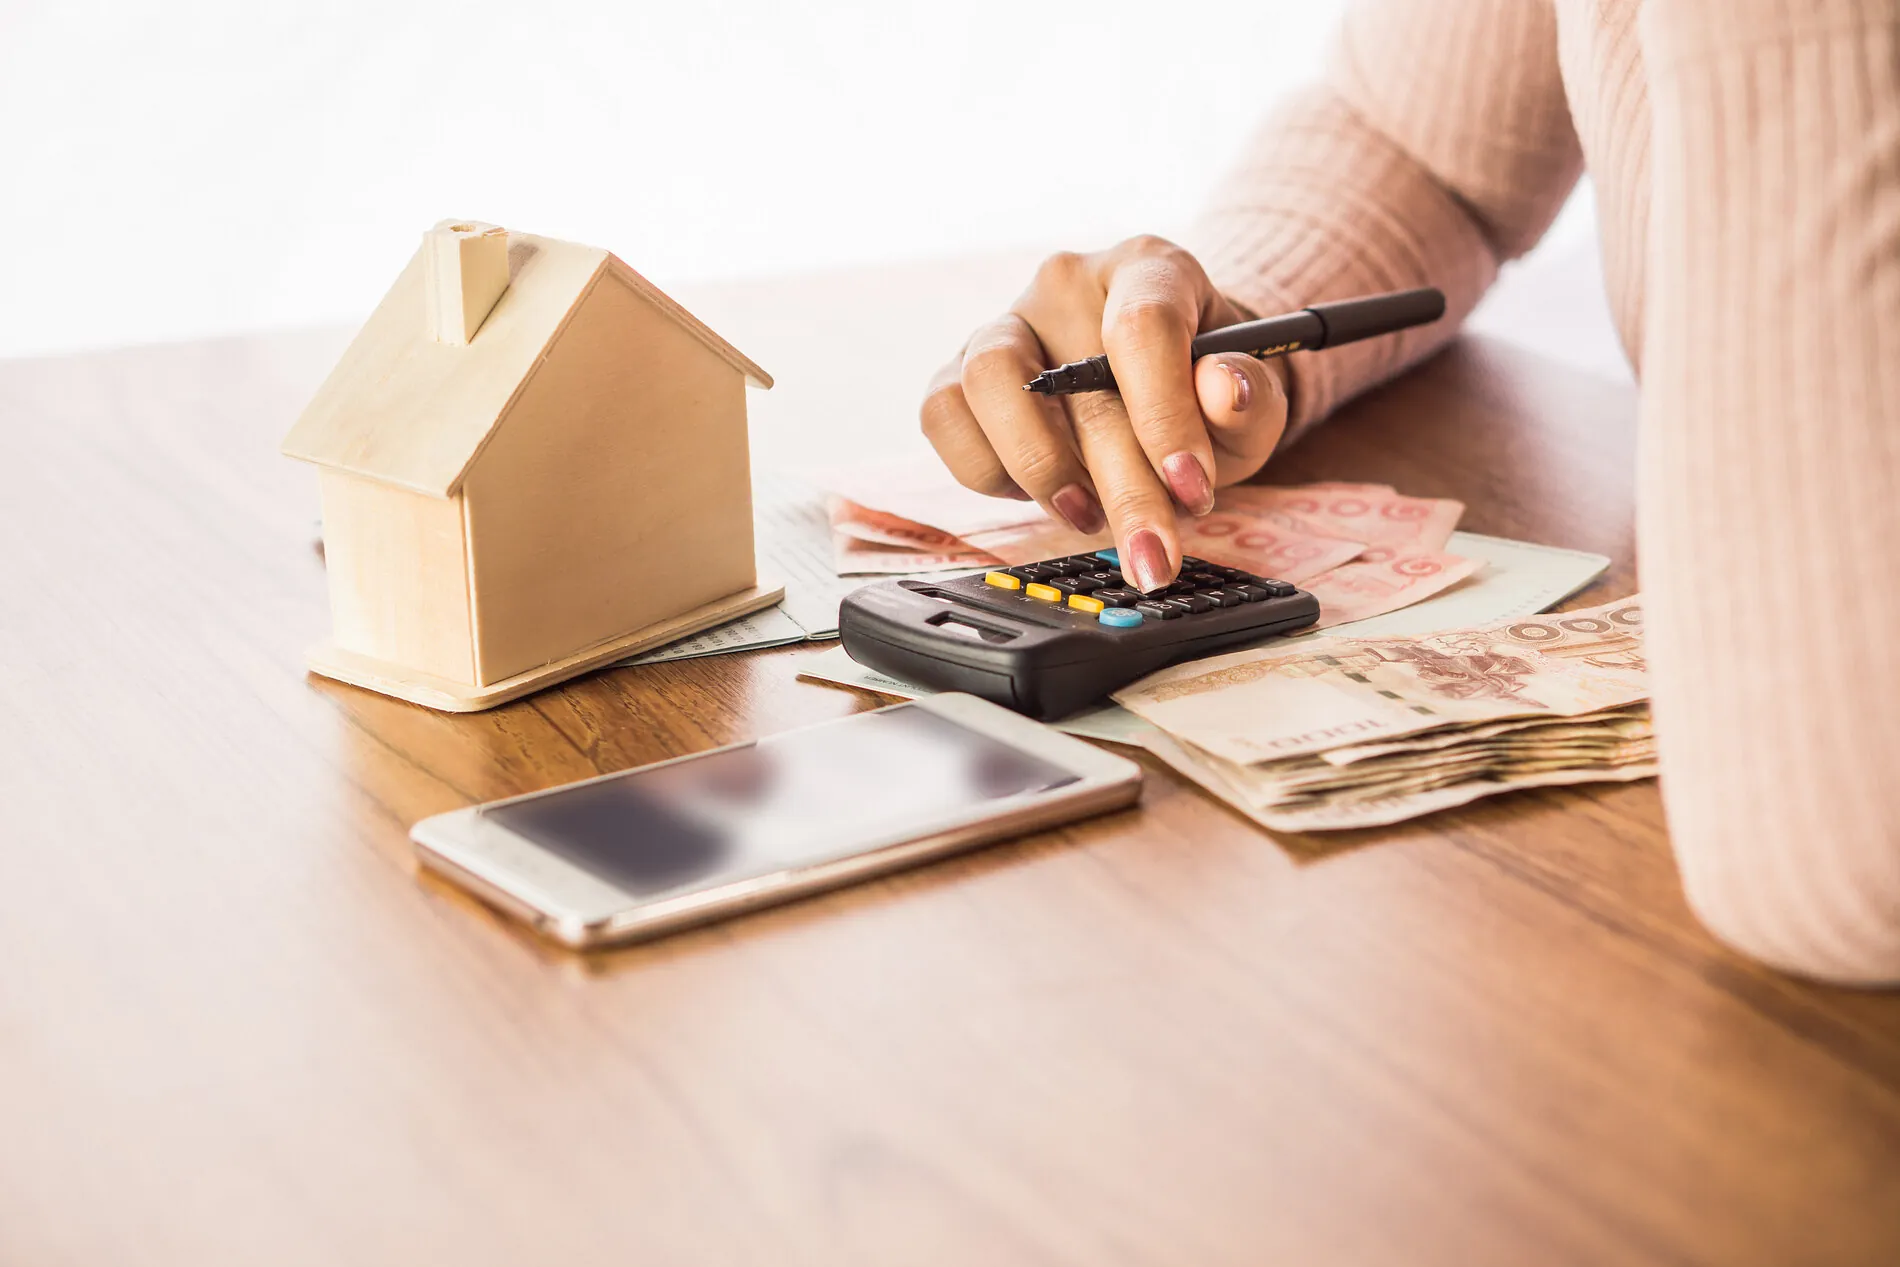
(237, 1027)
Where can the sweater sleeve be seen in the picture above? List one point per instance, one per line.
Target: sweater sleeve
(1769, 481)
(1438, 145)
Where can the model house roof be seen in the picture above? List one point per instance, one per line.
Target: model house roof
(405, 409)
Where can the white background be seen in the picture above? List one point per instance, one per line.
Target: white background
(178, 170)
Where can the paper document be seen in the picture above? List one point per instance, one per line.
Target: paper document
(768, 628)
(792, 537)
(1517, 579)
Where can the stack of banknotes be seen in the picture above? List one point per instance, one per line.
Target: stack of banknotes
(1360, 732)
(1392, 715)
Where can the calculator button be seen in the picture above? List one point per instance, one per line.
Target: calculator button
(1178, 606)
(1083, 603)
(1223, 597)
(1120, 618)
(1106, 578)
(1110, 557)
(1002, 580)
(1203, 578)
(1119, 596)
(1047, 593)
(1040, 572)
(1249, 593)
(1197, 603)
(1160, 610)
(1268, 584)
(1020, 573)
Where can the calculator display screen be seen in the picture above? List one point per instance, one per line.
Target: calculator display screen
(796, 798)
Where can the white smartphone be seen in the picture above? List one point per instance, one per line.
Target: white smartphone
(646, 851)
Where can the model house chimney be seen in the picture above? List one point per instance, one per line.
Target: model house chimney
(464, 270)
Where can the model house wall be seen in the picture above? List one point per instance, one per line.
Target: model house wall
(616, 491)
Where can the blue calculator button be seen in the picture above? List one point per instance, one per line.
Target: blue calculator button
(1120, 617)
(1110, 557)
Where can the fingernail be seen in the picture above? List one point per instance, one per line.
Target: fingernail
(1077, 505)
(1188, 478)
(1147, 560)
(1243, 388)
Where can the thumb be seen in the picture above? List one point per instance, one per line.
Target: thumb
(1244, 401)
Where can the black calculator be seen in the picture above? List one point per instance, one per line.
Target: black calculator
(1046, 639)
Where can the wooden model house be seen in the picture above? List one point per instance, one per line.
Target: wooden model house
(532, 463)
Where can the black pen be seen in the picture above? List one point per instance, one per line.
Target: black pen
(1309, 329)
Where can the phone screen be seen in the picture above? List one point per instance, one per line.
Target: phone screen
(781, 801)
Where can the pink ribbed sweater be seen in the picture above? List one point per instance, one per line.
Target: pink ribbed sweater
(1746, 160)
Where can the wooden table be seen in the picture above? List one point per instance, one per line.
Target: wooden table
(236, 1027)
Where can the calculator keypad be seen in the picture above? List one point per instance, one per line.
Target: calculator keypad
(1201, 587)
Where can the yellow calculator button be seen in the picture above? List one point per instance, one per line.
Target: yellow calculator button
(1002, 581)
(1047, 593)
(1083, 603)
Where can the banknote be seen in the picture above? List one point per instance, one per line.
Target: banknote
(1276, 780)
(1389, 522)
(1515, 578)
(1032, 542)
(1283, 783)
(1377, 806)
(852, 556)
(1630, 722)
(1270, 704)
(922, 491)
(1400, 805)
(880, 527)
(1368, 586)
(1265, 547)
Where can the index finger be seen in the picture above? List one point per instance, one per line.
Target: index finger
(1148, 326)
(1136, 503)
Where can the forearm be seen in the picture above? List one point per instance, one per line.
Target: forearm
(1327, 208)
(1394, 172)
(1769, 496)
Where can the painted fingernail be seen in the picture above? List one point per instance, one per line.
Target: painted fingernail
(1147, 560)
(1188, 478)
(1077, 505)
(1243, 389)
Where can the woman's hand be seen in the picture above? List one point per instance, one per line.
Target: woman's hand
(1175, 430)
